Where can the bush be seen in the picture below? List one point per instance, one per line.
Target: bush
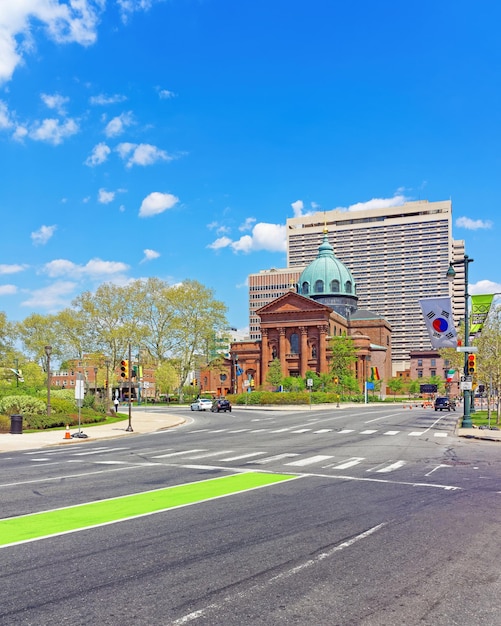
(12, 405)
(4, 424)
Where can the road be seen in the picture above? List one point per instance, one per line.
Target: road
(366, 516)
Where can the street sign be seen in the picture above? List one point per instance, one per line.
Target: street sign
(470, 349)
(427, 388)
(468, 386)
(309, 382)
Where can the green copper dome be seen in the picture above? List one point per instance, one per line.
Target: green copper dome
(329, 281)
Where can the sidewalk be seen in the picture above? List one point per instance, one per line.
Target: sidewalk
(141, 422)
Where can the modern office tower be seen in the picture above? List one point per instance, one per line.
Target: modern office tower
(397, 255)
(265, 286)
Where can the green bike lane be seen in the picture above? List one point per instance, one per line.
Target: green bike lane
(52, 523)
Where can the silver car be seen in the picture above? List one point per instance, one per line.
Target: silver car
(202, 404)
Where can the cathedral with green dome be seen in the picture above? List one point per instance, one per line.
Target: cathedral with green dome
(296, 328)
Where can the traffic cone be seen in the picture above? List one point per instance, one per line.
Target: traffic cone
(67, 433)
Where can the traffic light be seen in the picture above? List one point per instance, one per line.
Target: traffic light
(124, 369)
(472, 364)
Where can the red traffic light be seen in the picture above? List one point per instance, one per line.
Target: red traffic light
(472, 364)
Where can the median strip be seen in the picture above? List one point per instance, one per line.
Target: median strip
(45, 524)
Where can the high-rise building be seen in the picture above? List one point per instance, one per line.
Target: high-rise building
(397, 256)
(265, 286)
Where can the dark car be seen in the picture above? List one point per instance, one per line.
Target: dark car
(221, 405)
(444, 404)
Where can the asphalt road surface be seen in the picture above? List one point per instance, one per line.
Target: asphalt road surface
(363, 516)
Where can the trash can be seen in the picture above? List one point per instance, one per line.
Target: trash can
(16, 424)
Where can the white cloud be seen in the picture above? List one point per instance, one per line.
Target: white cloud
(66, 22)
(484, 287)
(141, 154)
(53, 297)
(376, 203)
(103, 100)
(93, 268)
(270, 237)
(5, 116)
(156, 203)
(297, 208)
(149, 255)
(7, 290)
(469, 224)
(105, 197)
(165, 94)
(127, 7)
(53, 131)
(55, 102)
(247, 225)
(41, 236)
(12, 269)
(222, 242)
(118, 124)
(100, 154)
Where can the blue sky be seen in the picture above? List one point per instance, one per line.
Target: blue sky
(173, 138)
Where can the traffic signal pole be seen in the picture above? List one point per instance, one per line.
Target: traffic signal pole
(129, 427)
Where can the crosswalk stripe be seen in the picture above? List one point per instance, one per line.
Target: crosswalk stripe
(415, 434)
(390, 468)
(348, 463)
(270, 459)
(310, 460)
(440, 434)
(281, 430)
(368, 432)
(164, 456)
(346, 430)
(391, 432)
(302, 430)
(206, 455)
(322, 431)
(242, 456)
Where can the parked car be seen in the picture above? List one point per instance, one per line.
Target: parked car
(202, 404)
(221, 405)
(444, 404)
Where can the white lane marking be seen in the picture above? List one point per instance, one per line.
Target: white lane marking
(219, 430)
(270, 459)
(390, 468)
(436, 468)
(164, 456)
(323, 430)
(259, 430)
(346, 430)
(391, 432)
(242, 456)
(189, 617)
(416, 434)
(368, 432)
(349, 463)
(302, 430)
(240, 430)
(440, 434)
(310, 460)
(205, 455)
(99, 451)
(281, 430)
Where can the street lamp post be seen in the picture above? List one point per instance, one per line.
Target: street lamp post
(466, 422)
(95, 383)
(107, 385)
(235, 373)
(48, 352)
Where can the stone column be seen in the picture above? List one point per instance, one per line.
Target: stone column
(265, 356)
(303, 357)
(322, 348)
(282, 351)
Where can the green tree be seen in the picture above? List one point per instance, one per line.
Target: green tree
(166, 378)
(489, 359)
(274, 375)
(344, 354)
(395, 385)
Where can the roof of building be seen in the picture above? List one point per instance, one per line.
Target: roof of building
(328, 269)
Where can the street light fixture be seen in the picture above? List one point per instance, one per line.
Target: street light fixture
(466, 422)
(48, 352)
